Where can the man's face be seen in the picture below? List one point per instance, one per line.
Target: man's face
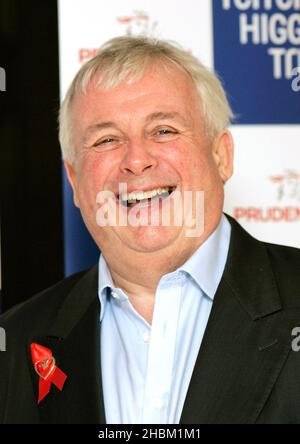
(148, 135)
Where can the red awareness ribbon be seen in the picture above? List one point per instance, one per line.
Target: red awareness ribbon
(45, 366)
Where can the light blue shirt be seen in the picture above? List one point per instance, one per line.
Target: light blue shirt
(146, 370)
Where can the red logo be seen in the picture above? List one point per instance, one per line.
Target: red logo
(138, 23)
(287, 188)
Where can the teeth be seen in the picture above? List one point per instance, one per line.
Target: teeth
(140, 195)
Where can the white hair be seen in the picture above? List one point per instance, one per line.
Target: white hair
(127, 57)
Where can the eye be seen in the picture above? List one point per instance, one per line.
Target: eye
(166, 132)
(104, 141)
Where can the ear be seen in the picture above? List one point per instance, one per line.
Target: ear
(71, 174)
(223, 149)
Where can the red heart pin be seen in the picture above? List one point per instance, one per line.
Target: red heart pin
(45, 366)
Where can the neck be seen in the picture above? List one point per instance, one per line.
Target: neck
(142, 271)
(140, 283)
(138, 275)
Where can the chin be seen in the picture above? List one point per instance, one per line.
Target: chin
(150, 239)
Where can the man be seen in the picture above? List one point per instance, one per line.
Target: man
(176, 324)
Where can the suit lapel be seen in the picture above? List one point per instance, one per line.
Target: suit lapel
(75, 343)
(246, 341)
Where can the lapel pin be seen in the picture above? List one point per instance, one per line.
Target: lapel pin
(45, 366)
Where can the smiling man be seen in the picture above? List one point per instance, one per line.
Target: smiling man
(170, 326)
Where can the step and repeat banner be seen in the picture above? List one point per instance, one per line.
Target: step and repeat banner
(254, 45)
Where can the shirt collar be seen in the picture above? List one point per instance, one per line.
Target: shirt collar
(105, 284)
(205, 266)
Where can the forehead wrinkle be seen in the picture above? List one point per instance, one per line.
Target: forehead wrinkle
(164, 116)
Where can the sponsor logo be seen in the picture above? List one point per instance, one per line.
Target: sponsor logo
(276, 23)
(288, 185)
(137, 23)
(287, 188)
(265, 34)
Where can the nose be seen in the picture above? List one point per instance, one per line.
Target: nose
(137, 159)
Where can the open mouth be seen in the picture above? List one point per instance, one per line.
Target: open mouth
(145, 198)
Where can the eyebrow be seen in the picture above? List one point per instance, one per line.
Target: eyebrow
(97, 127)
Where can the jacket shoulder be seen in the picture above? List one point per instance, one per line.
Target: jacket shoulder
(283, 257)
(279, 264)
(41, 309)
(285, 262)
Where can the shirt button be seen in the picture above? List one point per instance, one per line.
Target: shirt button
(146, 336)
(115, 295)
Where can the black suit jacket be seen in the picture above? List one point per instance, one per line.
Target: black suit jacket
(246, 371)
